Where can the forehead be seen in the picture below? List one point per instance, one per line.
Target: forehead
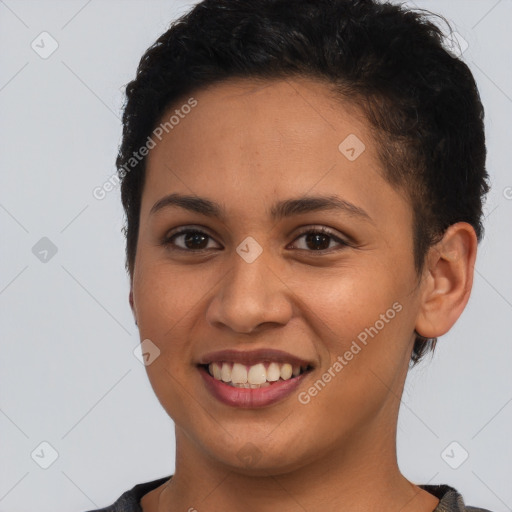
(277, 112)
(247, 142)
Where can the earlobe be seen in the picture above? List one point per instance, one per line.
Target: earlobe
(447, 286)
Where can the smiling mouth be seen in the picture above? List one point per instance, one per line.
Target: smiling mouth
(259, 375)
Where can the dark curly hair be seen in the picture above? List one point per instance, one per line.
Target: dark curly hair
(420, 100)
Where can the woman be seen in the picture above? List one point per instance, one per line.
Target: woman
(303, 185)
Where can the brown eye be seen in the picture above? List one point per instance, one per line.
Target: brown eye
(192, 240)
(319, 239)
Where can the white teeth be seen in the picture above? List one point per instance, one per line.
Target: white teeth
(216, 370)
(273, 372)
(239, 374)
(226, 372)
(286, 371)
(257, 374)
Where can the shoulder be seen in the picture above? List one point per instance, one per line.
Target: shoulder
(129, 501)
(450, 500)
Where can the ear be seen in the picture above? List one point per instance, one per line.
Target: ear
(132, 305)
(448, 281)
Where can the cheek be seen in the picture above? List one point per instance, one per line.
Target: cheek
(166, 299)
(361, 322)
(165, 293)
(369, 318)
(344, 303)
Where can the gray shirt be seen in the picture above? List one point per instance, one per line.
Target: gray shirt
(449, 499)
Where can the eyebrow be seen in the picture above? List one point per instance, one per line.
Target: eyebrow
(279, 210)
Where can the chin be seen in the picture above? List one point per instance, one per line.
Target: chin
(259, 457)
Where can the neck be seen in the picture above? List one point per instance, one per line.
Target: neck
(364, 477)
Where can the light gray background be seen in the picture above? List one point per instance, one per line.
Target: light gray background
(68, 373)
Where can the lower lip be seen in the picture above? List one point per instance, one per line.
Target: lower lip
(250, 398)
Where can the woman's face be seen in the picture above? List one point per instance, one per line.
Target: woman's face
(252, 289)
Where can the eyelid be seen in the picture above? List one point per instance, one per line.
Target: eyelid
(188, 227)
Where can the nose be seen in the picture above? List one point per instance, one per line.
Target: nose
(250, 297)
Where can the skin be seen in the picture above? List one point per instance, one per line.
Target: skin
(246, 145)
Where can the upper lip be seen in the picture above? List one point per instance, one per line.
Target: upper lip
(251, 357)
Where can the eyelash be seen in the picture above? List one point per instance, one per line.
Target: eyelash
(168, 241)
